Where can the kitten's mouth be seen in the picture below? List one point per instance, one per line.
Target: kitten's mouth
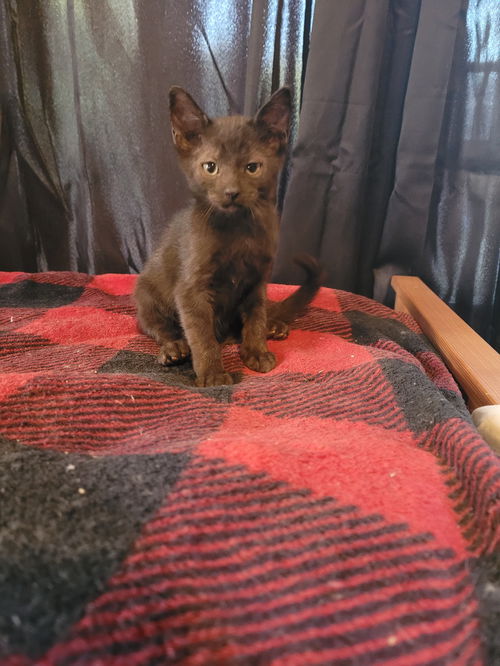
(231, 208)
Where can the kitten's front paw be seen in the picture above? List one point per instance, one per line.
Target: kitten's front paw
(213, 379)
(259, 361)
(277, 330)
(174, 352)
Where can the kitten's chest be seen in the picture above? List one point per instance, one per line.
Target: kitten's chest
(235, 274)
(233, 285)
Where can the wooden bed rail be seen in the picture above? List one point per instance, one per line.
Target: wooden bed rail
(472, 361)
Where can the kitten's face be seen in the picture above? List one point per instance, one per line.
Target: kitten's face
(231, 167)
(231, 163)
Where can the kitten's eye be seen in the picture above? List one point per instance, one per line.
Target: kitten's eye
(253, 167)
(210, 167)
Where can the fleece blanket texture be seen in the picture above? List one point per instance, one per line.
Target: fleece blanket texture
(339, 510)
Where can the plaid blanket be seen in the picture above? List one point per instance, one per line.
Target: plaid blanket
(339, 510)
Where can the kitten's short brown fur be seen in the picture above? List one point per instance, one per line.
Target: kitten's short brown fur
(206, 283)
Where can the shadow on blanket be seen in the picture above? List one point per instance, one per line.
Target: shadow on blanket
(341, 509)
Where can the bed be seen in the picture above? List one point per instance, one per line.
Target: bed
(341, 509)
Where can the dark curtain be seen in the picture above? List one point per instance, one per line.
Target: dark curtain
(397, 164)
(88, 176)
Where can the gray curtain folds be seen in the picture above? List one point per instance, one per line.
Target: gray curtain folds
(396, 167)
(88, 176)
(447, 185)
(323, 210)
(462, 245)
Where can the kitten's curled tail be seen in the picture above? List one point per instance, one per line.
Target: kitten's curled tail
(285, 311)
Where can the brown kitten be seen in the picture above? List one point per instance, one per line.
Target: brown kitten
(206, 283)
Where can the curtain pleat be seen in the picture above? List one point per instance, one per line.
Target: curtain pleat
(396, 167)
(92, 177)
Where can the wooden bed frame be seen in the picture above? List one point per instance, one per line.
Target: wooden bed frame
(471, 360)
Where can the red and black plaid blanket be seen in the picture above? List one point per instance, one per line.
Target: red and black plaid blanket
(339, 510)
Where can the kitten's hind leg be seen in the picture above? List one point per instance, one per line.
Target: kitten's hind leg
(173, 352)
(276, 329)
(162, 324)
(174, 348)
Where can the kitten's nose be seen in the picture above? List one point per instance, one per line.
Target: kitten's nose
(231, 195)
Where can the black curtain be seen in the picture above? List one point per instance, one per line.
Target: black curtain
(397, 164)
(88, 175)
(395, 168)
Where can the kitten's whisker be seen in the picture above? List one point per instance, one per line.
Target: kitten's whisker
(206, 213)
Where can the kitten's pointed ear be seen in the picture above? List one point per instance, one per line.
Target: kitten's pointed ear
(273, 119)
(187, 119)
